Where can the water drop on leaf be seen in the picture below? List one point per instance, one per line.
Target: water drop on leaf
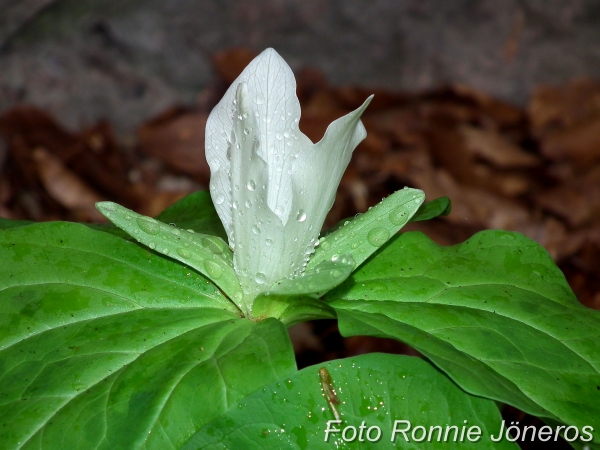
(184, 253)
(397, 215)
(148, 226)
(213, 269)
(378, 236)
(212, 245)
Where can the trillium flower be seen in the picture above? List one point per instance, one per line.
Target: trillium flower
(271, 186)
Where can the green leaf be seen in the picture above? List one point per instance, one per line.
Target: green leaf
(376, 388)
(105, 344)
(195, 212)
(362, 236)
(5, 224)
(495, 313)
(291, 309)
(429, 210)
(209, 255)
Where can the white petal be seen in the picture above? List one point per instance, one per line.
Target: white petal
(316, 175)
(271, 88)
(257, 230)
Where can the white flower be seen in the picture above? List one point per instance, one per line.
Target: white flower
(272, 187)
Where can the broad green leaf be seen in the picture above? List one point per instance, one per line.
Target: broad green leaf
(495, 313)
(194, 212)
(5, 224)
(209, 255)
(376, 389)
(429, 210)
(104, 344)
(362, 236)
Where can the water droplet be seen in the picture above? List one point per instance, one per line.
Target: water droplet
(255, 229)
(268, 242)
(251, 185)
(184, 253)
(301, 217)
(127, 217)
(398, 215)
(336, 273)
(166, 251)
(235, 205)
(325, 245)
(213, 269)
(248, 203)
(260, 99)
(212, 245)
(354, 246)
(148, 226)
(378, 236)
(152, 245)
(378, 286)
(286, 135)
(260, 278)
(278, 136)
(335, 258)
(219, 198)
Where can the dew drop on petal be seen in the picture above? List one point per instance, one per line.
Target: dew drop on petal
(268, 242)
(301, 216)
(219, 198)
(260, 99)
(152, 245)
(256, 229)
(235, 205)
(378, 236)
(251, 185)
(248, 203)
(260, 278)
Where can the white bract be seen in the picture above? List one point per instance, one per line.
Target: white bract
(272, 187)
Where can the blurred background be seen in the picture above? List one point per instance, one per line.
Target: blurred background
(495, 104)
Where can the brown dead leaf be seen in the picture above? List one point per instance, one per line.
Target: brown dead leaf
(577, 200)
(579, 143)
(559, 107)
(496, 149)
(66, 187)
(177, 138)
